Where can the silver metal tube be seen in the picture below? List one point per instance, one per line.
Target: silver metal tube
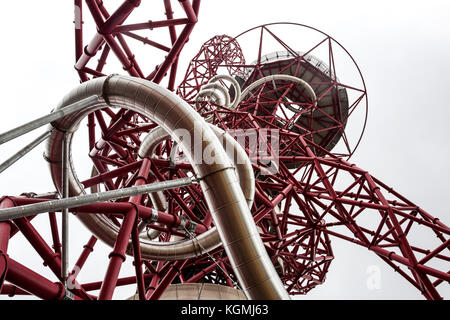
(209, 93)
(238, 233)
(234, 83)
(78, 201)
(39, 122)
(65, 211)
(207, 240)
(219, 87)
(151, 141)
(158, 199)
(19, 154)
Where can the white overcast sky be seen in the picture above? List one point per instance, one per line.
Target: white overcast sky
(402, 48)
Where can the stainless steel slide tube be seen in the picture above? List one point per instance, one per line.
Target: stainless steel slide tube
(219, 182)
(209, 239)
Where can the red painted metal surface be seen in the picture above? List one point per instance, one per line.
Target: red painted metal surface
(305, 203)
(113, 32)
(314, 194)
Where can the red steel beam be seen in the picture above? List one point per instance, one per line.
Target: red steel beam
(117, 256)
(32, 282)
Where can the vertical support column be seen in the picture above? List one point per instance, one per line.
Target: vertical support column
(5, 226)
(5, 232)
(78, 21)
(117, 256)
(140, 180)
(65, 212)
(173, 38)
(138, 262)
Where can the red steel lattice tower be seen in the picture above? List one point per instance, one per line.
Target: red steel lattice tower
(301, 190)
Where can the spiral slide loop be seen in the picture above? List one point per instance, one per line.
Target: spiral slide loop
(218, 93)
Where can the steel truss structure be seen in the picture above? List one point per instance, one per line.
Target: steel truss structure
(146, 198)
